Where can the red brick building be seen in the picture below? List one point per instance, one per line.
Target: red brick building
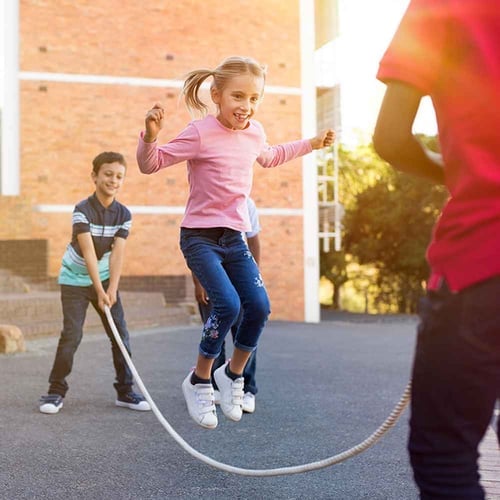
(78, 79)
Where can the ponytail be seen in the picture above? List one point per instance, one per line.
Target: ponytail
(191, 87)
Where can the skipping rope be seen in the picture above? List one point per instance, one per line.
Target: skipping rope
(389, 422)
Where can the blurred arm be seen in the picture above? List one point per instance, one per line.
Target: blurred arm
(394, 140)
(254, 247)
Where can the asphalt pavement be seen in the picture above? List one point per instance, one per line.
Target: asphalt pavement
(323, 388)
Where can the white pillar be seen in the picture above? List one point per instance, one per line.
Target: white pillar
(309, 170)
(9, 166)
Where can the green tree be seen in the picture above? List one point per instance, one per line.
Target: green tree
(333, 267)
(359, 169)
(386, 229)
(389, 228)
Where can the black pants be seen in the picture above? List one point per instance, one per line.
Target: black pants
(456, 381)
(75, 301)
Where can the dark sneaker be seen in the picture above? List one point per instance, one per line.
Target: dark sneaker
(51, 403)
(132, 401)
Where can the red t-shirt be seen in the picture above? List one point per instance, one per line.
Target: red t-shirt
(450, 50)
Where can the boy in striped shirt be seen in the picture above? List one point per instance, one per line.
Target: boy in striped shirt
(90, 273)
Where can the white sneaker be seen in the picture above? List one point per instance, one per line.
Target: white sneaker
(200, 402)
(216, 397)
(248, 402)
(231, 394)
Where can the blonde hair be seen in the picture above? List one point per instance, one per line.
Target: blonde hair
(227, 69)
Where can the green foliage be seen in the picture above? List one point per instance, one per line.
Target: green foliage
(386, 229)
(333, 267)
(358, 170)
(390, 228)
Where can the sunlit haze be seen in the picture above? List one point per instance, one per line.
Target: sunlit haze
(366, 29)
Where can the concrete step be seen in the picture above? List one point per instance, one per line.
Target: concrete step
(10, 283)
(24, 307)
(39, 314)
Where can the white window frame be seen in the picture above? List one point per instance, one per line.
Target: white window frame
(9, 163)
(309, 170)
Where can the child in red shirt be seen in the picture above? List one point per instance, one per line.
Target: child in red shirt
(449, 50)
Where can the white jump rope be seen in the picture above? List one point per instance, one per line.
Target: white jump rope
(355, 450)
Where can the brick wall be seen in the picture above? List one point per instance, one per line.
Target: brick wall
(27, 258)
(15, 217)
(161, 40)
(174, 288)
(65, 124)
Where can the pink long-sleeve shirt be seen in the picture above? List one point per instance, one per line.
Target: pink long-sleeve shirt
(220, 168)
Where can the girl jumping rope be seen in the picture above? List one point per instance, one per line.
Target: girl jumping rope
(220, 152)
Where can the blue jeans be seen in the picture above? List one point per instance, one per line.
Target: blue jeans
(250, 384)
(75, 301)
(220, 259)
(456, 381)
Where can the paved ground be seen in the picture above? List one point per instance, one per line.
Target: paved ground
(338, 381)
